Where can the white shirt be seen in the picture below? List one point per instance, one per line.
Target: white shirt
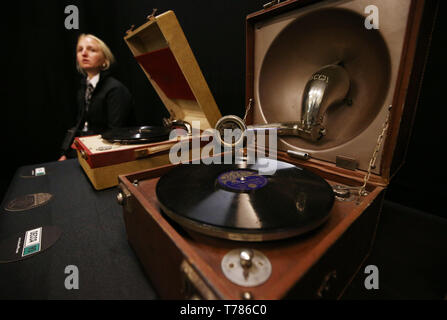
(93, 81)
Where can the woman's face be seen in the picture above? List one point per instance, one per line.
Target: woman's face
(89, 55)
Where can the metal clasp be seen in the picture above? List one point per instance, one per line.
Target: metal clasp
(270, 4)
(131, 29)
(152, 15)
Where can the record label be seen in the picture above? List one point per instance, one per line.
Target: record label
(242, 180)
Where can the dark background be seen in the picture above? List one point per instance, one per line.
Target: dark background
(39, 68)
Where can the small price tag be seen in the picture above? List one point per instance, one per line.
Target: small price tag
(39, 172)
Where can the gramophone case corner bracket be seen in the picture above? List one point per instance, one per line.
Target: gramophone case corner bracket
(194, 287)
(123, 197)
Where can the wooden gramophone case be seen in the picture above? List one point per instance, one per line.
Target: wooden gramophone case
(322, 263)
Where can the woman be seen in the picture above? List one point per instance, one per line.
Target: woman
(103, 102)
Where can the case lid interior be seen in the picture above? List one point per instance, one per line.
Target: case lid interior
(163, 52)
(289, 43)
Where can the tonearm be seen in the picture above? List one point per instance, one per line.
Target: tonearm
(328, 86)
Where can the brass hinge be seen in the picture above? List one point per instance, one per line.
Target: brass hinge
(346, 163)
(149, 151)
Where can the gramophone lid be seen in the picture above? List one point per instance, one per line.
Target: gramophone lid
(289, 42)
(164, 54)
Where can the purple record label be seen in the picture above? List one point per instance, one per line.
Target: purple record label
(242, 180)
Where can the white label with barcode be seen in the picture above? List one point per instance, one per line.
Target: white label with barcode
(33, 237)
(39, 172)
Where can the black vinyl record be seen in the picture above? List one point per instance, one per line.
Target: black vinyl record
(134, 135)
(235, 201)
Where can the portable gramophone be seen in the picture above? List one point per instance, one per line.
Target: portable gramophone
(324, 79)
(162, 51)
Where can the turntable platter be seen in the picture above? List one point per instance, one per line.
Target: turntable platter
(234, 201)
(135, 135)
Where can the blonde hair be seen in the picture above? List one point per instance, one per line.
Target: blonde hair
(108, 55)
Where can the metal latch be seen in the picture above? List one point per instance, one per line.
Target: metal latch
(346, 163)
(141, 153)
(123, 197)
(193, 286)
(131, 29)
(270, 4)
(148, 151)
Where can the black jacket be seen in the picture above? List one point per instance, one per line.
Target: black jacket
(110, 107)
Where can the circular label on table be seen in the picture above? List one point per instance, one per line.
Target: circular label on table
(28, 202)
(36, 172)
